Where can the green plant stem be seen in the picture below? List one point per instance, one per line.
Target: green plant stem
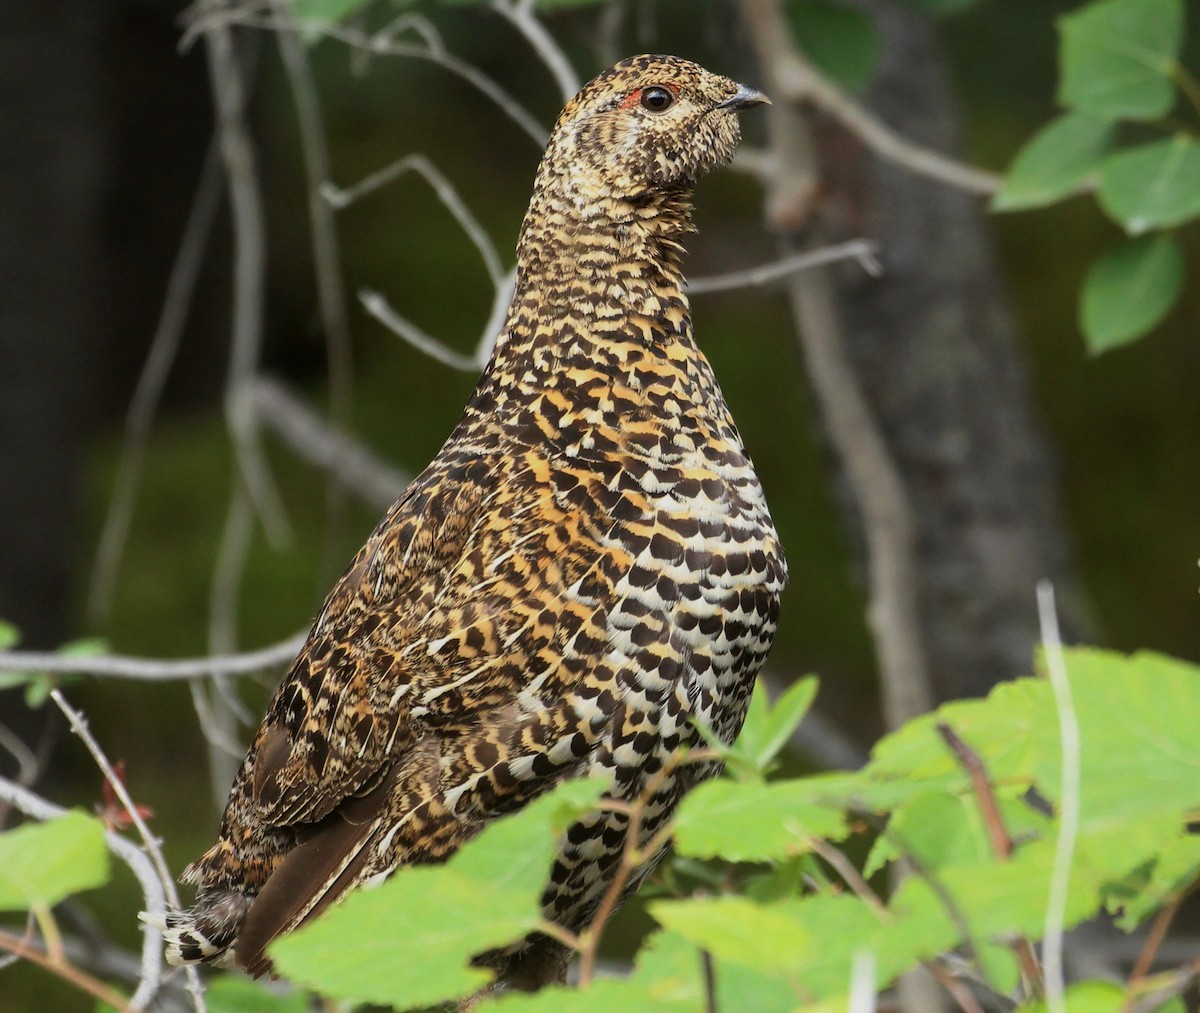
(1187, 84)
(67, 971)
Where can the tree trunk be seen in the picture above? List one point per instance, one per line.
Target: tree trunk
(937, 355)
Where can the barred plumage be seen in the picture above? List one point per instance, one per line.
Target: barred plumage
(585, 569)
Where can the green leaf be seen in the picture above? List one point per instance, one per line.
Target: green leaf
(10, 636)
(1055, 162)
(44, 863)
(840, 40)
(785, 718)
(1176, 868)
(752, 822)
(1152, 185)
(427, 922)
(1097, 997)
(767, 729)
(762, 937)
(230, 993)
(1129, 290)
(1117, 57)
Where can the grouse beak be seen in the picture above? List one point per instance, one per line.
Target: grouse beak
(744, 98)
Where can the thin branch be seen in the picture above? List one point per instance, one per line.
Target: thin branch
(958, 991)
(998, 836)
(155, 669)
(710, 981)
(375, 481)
(139, 419)
(445, 192)
(39, 808)
(327, 262)
(68, 972)
(862, 250)
(970, 761)
(845, 868)
(249, 273)
(1154, 940)
(383, 45)
(151, 845)
(889, 527)
(797, 81)
(378, 307)
(1068, 824)
(522, 17)
(218, 711)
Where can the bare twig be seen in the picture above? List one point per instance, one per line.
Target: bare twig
(381, 44)
(378, 307)
(796, 80)
(958, 991)
(445, 192)
(970, 761)
(139, 419)
(375, 481)
(862, 250)
(1068, 823)
(152, 890)
(1183, 980)
(68, 972)
(1154, 940)
(845, 868)
(888, 524)
(237, 152)
(710, 981)
(522, 17)
(327, 262)
(151, 845)
(118, 666)
(998, 835)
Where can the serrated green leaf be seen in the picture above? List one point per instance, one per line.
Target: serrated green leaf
(44, 863)
(428, 922)
(1055, 162)
(10, 636)
(1129, 290)
(840, 41)
(1153, 185)
(752, 822)
(230, 993)
(1116, 58)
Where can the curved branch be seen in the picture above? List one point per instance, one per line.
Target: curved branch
(118, 666)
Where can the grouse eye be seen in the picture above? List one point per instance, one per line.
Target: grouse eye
(656, 98)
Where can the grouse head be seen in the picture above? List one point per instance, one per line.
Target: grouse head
(648, 124)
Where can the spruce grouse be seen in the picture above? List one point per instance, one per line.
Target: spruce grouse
(585, 572)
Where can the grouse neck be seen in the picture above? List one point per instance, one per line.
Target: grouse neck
(608, 267)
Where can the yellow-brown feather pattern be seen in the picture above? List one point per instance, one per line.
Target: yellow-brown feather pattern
(585, 570)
